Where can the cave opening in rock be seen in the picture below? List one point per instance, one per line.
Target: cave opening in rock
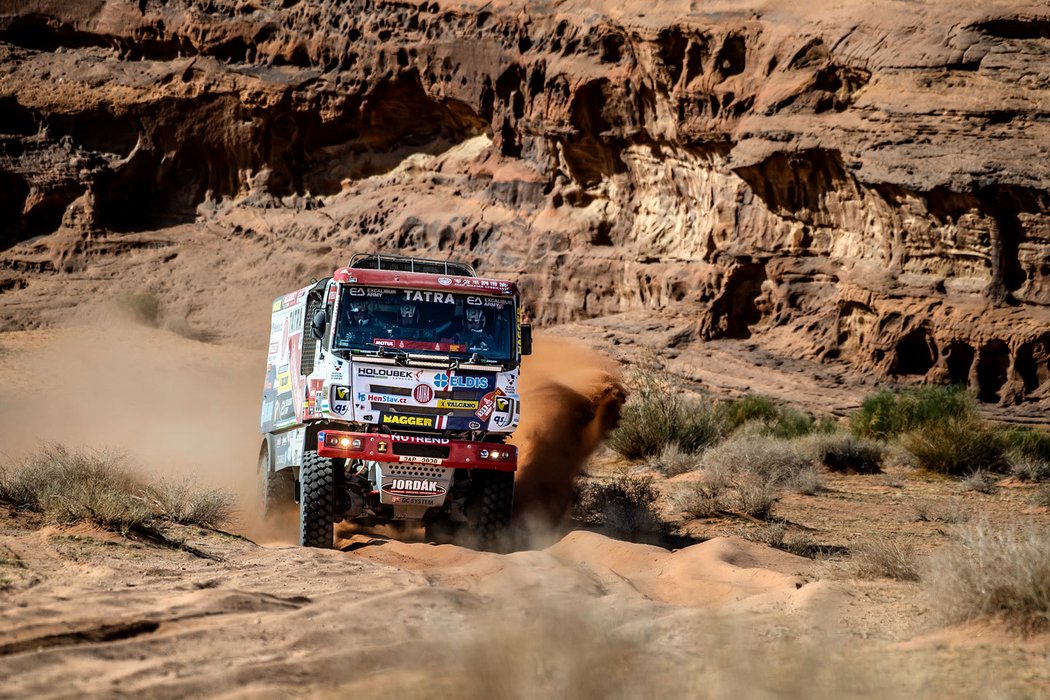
(13, 192)
(992, 365)
(915, 353)
(958, 358)
(1032, 362)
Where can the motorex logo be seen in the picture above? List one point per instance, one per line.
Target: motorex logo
(442, 381)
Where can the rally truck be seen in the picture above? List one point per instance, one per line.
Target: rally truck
(391, 390)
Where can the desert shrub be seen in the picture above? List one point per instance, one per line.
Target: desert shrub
(776, 534)
(808, 482)
(758, 415)
(672, 460)
(887, 413)
(625, 503)
(736, 412)
(956, 447)
(700, 500)
(993, 572)
(1029, 453)
(883, 558)
(144, 306)
(71, 486)
(981, 481)
(657, 414)
(1040, 497)
(757, 496)
(181, 502)
(773, 459)
(843, 452)
(951, 512)
(1028, 468)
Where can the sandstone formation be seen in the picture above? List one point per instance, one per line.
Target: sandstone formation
(867, 185)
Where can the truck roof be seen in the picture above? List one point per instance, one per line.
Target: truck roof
(404, 263)
(422, 280)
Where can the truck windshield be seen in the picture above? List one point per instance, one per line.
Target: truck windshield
(418, 321)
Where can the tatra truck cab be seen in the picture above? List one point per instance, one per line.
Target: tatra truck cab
(391, 389)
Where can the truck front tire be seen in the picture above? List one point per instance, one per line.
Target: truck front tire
(317, 501)
(491, 507)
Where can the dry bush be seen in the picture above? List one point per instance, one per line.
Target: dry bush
(757, 496)
(952, 512)
(808, 482)
(626, 504)
(884, 558)
(701, 499)
(672, 460)
(774, 459)
(842, 452)
(758, 415)
(1030, 443)
(1041, 496)
(778, 536)
(981, 482)
(1028, 468)
(181, 502)
(991, 571)
(71, 486)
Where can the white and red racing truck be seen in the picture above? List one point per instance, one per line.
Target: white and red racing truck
(391, 389)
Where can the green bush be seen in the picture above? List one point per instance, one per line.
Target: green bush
(143, 307)
(759, 415)
(957, 447)
(842, 452)
(657, 415)
(1028, 442)
(886, 413)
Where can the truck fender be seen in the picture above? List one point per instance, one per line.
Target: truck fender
(267, 444)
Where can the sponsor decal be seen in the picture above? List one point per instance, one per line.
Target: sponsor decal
(356, 292)
(423, 393)
(502, 405)
(434, 297)
(458, 381)
(412, 487)
(444, 281)
(420, 440)
(418, 345)
(488, 404)
(342, 393)
(402, 501)
(455, 404)
(277, 305)
(411, 421)
(341, 408)
(474, 425)
(340, 400)
(388, 372)
(382, 398)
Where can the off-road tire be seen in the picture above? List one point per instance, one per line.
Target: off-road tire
(317, 501)
(492, 503)
(277, 489)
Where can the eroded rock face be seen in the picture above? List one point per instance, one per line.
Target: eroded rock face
(864, 184)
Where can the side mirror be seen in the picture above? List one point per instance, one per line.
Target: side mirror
(526, 339)
(318, 323)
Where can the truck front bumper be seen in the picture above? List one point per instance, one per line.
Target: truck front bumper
(454, 454)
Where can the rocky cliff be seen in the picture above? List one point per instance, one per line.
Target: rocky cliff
(866, 185)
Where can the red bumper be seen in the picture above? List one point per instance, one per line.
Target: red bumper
(405, 448)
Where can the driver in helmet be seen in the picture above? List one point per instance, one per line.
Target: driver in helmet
(474, 335)
(357, 319)
(409, 315)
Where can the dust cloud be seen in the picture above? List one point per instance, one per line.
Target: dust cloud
(570, 399)
(181, 409)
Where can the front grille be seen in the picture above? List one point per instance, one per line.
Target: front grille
(411, 450)
(419, 471)
(391, 390)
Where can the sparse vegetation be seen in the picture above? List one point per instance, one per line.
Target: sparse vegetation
(626, 504)
(702, 499)
(774, 459)
(776, 534)
(672, 460)
(69, 486)
(1029, 468)
(956, 447)
(759, 415)
(1041, 496)
(887, 413)
(808, 482)
(981, 481)
(843, 452)
(1029, 443)
(757, 496)
(993, 572)
(883, 558)
(658, 415)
